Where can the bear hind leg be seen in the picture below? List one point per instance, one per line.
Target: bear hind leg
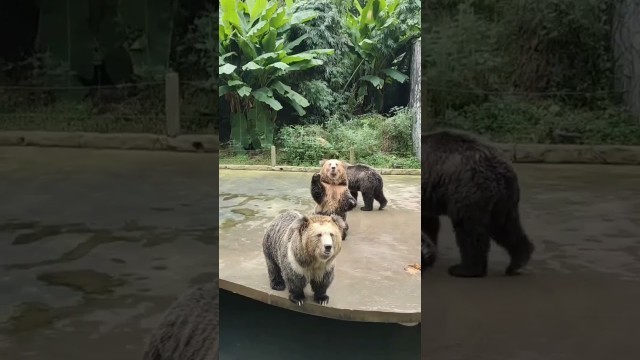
(381, 199)
(473, 242)
(355, 195)
(513, 239)
(275, 276)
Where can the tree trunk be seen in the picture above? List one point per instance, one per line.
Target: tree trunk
(626, 50)
(415, 99)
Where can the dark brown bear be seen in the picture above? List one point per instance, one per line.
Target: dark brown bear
(470, 182)
(369, 182)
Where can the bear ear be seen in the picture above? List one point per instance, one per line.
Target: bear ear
(302, 223)
(339, 221)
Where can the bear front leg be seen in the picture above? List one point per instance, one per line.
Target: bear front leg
(368, 201)
(355, 195)
(320, 286)
(296, 284)
(317, 190)
(473, 243)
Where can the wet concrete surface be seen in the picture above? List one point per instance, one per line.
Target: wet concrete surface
(370, 283)
(95, 245)
(580, 297)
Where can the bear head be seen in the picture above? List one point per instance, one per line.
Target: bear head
(321, 236)
(333, 172)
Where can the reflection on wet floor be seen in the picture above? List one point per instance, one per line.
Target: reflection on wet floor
(92, 256)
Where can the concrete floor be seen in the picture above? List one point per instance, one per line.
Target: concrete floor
(579, 299)
(370, 282)
(96, 244)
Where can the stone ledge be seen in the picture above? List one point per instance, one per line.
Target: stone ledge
(184, 143)
(309, 169)
(572, 154)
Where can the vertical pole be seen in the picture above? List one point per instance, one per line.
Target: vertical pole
(172, 104)
(273, 155)
(352, 156)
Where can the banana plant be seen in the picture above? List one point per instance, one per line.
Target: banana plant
(255, 60)
(381, 41)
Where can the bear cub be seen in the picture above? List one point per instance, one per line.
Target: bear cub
(471, 183)
(301, 249)
(330, 191)
(369, 182)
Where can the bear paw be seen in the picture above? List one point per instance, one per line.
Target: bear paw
(278, 286)
(296, 299)
(316, 177)
(364, 208)
(466, 272)
(322, 299)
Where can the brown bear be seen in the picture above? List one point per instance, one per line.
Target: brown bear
(365, 179)
(469, 181)
(302, 249)
(330, 191)
(189, 329)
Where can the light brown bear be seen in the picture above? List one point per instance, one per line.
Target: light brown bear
(301, 249)
(330, 191)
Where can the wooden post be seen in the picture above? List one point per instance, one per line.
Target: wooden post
(352, 156)
(172, 103)
(273, 155)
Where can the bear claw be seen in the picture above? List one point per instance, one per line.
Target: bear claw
(322, 299)
(296, 300)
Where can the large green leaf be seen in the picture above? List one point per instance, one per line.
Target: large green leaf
(303, 16)
(226, 69)
(244, 91)
(269, 40)
(247, 47)
(374, 80)
(230, 12)
(296, 42)
(322, 51)
(235, 82)
(396, 75)
(305, 64)
(297, 107)
(261, 117)
(279, 19)
(239, 132)
(251, 66)
(287, 91)
(258, 29)
(279, 65)
(267, 55)
(257, 9)
(298, 57)
(265, 95)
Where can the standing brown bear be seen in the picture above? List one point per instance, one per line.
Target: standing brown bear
(330, 191)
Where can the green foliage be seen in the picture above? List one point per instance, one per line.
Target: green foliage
(256, 59)
(381, 34)
(525, 121)
(376, 140)
(502, 68)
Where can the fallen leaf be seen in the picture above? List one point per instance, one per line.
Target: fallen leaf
(413, 269)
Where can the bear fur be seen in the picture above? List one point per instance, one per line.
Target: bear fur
(301, 249)
(369, 182)
(330, 191)
(429, 254)
(471, 182)
(189, 329)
